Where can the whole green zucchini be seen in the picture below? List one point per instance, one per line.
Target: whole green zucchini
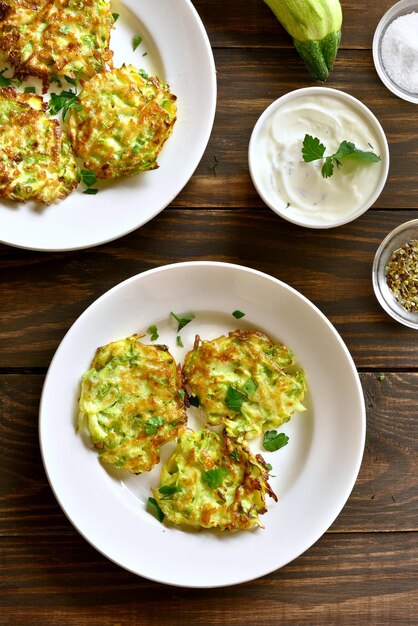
(315, 27)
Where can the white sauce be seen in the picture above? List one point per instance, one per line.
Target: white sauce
(298, 188)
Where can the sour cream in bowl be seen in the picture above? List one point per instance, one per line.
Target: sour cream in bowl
(297, 190)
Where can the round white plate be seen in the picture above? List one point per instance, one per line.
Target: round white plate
(313, 475)
(175, 47)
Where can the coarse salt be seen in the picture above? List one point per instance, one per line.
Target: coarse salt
(399, 51)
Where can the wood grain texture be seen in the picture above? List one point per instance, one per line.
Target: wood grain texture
(44, 293)
(349, 580)
(249, 80)
(384, 498)
(252, 24)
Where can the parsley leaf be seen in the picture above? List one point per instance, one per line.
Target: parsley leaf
(179, 342)
(234, 399)
(313, 149)
(194, 401)
(136, 41)
(115, 17)
(250, 388)
(235, 455)
(90, 191)
(168, 490)
(88, 177)
(30, 90)
(182, 320)
(214, 478)
(153, 504)
(153, 424)
(182, 394)
(64, 101)
(273, 440)
(238, 314)
(153, 331)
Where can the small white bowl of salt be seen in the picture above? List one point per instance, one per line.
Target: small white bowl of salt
(395, 50)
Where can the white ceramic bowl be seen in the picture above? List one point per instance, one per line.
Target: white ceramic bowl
(259, 149)
(395, 239)
(400, 8)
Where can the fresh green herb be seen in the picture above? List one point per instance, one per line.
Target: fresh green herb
(212, 166)
(90, 191)
(64, 101)
(214, 478)
(145, 54)
(168, 490)
(182, 394)
(71, 81)
(115, 16)
(182, 320)
(136, 41)
(250, 388)
(238, 314)
(269, 467)
(4, 80)
(179, 342)
(234, 399)
(30, 90)
(153, 504)
(235, 455)
(313, 150)
(88, 177)
(273, 440)
(54, 79)
(194, 401)
(381, 377)
(144, 74)
(153, 424)
(153, 331)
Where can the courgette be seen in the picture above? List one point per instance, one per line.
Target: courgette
(315, 27)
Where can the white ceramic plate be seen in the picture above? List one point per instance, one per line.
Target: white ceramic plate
(178, 50)
(313, 474)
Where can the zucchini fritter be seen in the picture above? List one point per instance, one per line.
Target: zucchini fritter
(65, 37)
(36, 159)
(131, 400)
(212, 481)
(245, 381)
(122, 123)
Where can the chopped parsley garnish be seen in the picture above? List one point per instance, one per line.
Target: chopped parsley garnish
(30, 90)
(182, 394)
(313, 150)
(136, 41)
(234, 399)
(145, 54)
(4, 80)
(153, 331)
(194, 401)
(64, 101)
(144, 74)
(115, 16)
(182, 320)
(179, 342)
(250, 388)
(54, 79)
(153, 504)
(235, 455)
(89, 179)
(153, 424)
(168, 490)
(212, 166)
(214, 478)
(238, 314)
(273, 440)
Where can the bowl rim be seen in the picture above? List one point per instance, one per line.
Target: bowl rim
(403, 7)
(396, 311)
(342, 95)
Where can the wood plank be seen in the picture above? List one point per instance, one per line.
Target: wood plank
(383, 499)
(330, 267)
(343, 579)
(249, 80)
(252, 23)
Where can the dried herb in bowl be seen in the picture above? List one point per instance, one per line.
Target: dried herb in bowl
(402, 275)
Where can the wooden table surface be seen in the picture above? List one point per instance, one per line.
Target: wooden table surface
(364, 570)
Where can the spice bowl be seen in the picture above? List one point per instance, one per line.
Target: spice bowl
(402, 8)
(393, 242)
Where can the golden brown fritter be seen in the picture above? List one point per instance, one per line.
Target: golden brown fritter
(245, 381)
(132, 400)
(212, 481)
(65, 37)
(36, 159)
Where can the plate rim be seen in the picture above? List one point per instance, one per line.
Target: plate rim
(187, 6)
(356, 463)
